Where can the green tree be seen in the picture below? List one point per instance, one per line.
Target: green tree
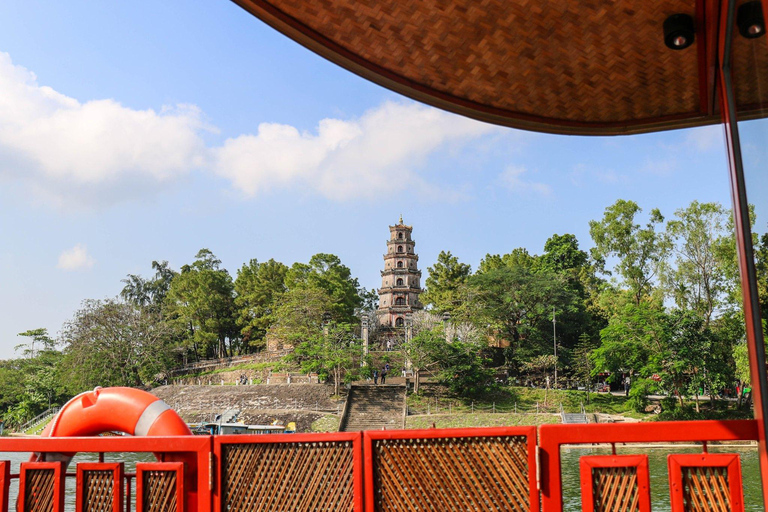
(201, 300)
(641, 251)
(698, 281)
(444, 283)
(149, 292)
(113, 343)
(259, 287)
(515, 304)
(421, 350)
(562, 254)
(325, 272)
(635, 339)
(334, 352)
(684, 360)
(583, 367)
(299, 315)
(31, 384)
(518, 257)
(462, 367)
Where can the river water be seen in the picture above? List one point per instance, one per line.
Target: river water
(130, 460)
(657, 459)
(657, 462)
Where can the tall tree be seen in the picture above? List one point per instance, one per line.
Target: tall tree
(420, 351)
(635, 339)
(325, 272)
(149, 292)
(300, 314)
(640, 250)
(334, 352)
(201, 299)
(444, 283)
(259, 286)
(515, 304)
(562, 253)
(113, 343)
(698, 280)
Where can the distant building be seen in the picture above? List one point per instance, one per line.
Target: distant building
(400, 279)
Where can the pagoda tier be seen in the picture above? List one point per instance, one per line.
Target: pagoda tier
(400, 279)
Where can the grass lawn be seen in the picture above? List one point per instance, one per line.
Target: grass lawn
(479, 420)
(437, 399)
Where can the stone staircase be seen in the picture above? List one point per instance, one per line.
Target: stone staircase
(372, 407)
(573, 417)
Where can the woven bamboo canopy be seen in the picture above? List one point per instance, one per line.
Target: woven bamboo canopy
(562, 66)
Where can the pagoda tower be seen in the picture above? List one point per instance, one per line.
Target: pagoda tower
(400, 279)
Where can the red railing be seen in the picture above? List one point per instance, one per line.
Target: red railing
(451, 469)
(193, 450)
(553, 437)
(439, 469)
(289, 472)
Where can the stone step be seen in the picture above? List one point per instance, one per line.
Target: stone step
(373, 407)
(574, 418)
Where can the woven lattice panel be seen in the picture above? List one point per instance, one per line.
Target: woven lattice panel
(98, 491)
(481, 473)
(159, 491)
(287, 477)
(615, 489)
(705, 489)
(592, 61)
(39, 490)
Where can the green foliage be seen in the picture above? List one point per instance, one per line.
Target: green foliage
(299, 315)
(741, 358)
(634, 340)
(421, 350)
(334, 352)
(462, 367)
(638, 394)
(641, 251)
(515, 304)
(259, 286)
(444, 283)
(582, 365)
(562, 254)
(31, 384)
(698, 281)
(326, 273)
(201, 302)
(112, 343)
(149, 292)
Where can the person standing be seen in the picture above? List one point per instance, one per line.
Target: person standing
(383, 375)
(375, 377)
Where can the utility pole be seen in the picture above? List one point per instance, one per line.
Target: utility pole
(554, 341)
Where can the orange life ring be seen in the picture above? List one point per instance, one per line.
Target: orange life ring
(132, 411)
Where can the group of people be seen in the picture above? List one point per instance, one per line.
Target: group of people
(382, 375)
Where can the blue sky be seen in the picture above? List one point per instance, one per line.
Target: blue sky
(140, 131)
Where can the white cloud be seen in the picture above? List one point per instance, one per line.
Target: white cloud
(76, 258)
(512, 179)
(59, 143)
(378, 153)
(71, 154)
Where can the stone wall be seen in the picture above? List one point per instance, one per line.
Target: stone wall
(260, 404)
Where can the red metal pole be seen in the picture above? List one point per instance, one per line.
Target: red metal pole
(746, 259)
